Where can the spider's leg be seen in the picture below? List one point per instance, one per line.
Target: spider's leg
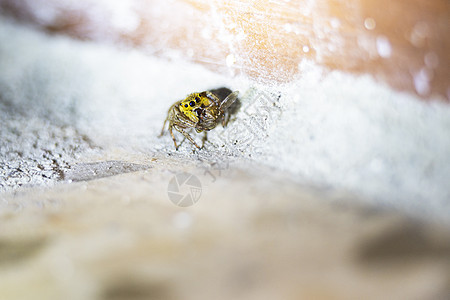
(164, 126)
(182, 141)
(205, 138)
(170, 117)
(225, 119)
(173, 136)
(186, 135)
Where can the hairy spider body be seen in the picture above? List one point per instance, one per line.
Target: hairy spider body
(201, 111)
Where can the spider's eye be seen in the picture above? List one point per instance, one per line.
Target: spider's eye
(185, 105)
(192, 103)
(197, 99)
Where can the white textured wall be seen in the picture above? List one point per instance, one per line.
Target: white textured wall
(326, 128)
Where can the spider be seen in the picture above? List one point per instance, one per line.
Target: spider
(202, 111)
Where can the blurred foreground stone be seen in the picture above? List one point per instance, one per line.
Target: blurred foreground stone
(248, 237)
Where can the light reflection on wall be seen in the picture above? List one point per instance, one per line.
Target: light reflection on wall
(403, 43)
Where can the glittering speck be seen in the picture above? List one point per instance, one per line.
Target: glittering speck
(370, 23)
(384, 47)
(230, 60)
(431, 60)
(335, 23)
(287, 27)
(422, 81)
(419, 34)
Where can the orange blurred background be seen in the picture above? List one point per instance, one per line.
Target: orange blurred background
(404, 43)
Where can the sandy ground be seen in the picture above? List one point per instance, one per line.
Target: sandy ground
(333, 187)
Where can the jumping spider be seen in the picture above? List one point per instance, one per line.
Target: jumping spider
(202, 111)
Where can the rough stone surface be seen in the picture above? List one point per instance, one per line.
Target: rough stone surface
(327, 129)
(34, 151)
